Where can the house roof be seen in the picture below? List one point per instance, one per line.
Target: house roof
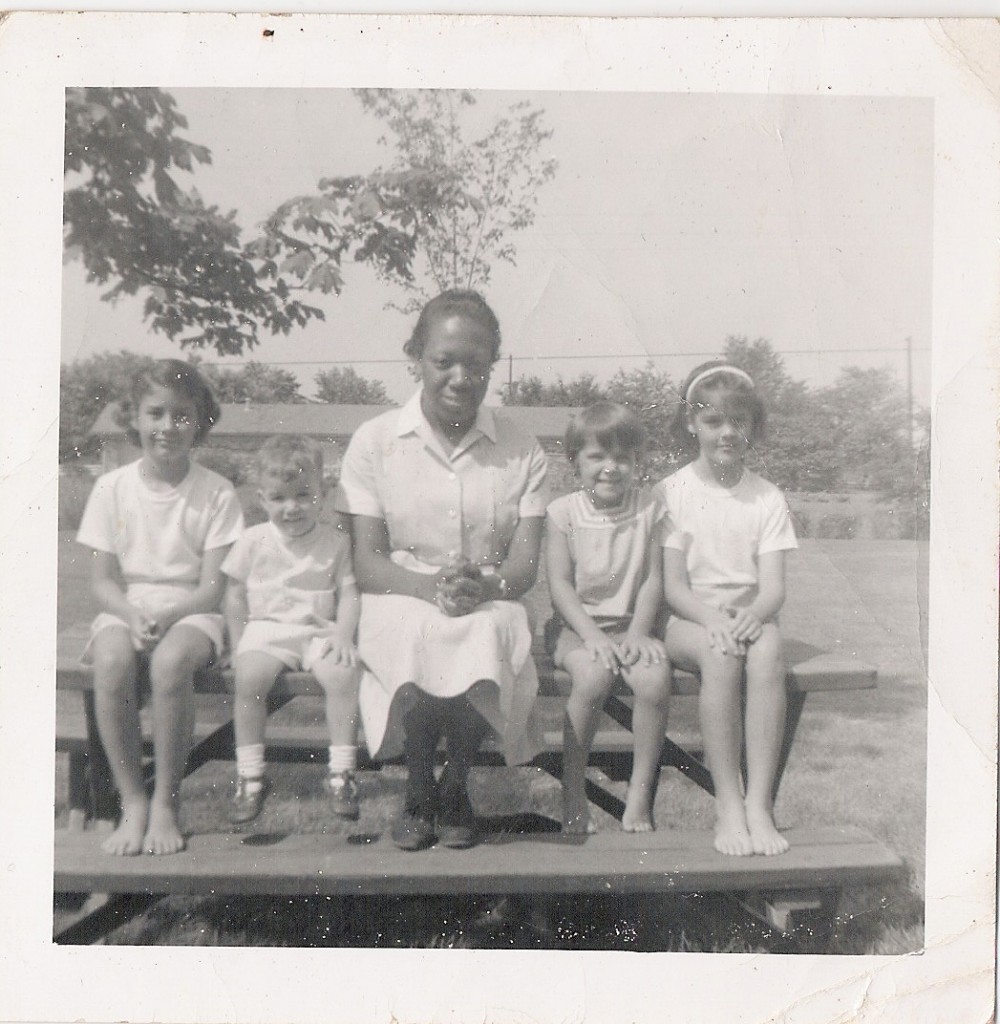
(335, 421)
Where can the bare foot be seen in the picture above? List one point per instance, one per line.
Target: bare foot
(576, 810)
(126, 840)
(765, 836)
(732, 834)
(638, 815)
(163, 834)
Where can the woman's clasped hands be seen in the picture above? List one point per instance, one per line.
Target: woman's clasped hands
(460, 588)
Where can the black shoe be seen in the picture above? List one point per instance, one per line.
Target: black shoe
(456, 823)
(413, 830)
(247, 801)
(342, 788)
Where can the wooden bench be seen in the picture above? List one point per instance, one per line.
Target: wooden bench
(509, 860)
(91, 792)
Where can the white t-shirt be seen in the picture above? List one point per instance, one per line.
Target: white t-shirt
(291, 579)
(609, 549)
(159, 537)
(723, 532)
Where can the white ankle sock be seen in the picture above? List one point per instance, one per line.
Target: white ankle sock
(250, 761)
(343, 759)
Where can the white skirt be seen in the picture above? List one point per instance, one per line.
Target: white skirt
(408, 644)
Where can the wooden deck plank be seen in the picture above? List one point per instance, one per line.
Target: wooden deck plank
(611, 862)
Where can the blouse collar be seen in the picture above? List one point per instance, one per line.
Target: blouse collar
(413, 421)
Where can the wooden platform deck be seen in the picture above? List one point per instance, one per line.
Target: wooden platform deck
(514, 857)
(610, 862)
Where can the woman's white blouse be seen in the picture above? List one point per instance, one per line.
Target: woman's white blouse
(439, 507)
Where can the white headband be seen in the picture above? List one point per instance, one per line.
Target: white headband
(711, 372)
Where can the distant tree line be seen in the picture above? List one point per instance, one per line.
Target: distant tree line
(88, 385)
(852, 434)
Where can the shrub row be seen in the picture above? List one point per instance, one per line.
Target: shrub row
(883, 522)
(896, 521)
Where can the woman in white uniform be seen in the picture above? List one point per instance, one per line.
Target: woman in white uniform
(447, 500)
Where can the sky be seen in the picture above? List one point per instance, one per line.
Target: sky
(673, 221)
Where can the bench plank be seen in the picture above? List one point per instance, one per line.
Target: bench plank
(809, 669)
(820, 673)
(300, 725)
(212, 711)
(610, 862)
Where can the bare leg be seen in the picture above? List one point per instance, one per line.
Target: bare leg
(181, 652)
(765, 719)
(651, 686)
(591, 685)
(116, 703)
(340, 685)
(721, 728)
(256, 673)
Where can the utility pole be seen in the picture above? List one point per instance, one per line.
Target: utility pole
(909, 388)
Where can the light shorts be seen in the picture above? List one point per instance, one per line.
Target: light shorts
(561, 640)
(151, 598)
(296, 646)
(210, 623)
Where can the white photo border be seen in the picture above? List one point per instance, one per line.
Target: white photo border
(952, 62)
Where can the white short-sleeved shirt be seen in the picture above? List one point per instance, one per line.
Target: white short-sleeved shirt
(609, 549)
(724, 531)
(294, 580)
(160, 537)
(439, 507)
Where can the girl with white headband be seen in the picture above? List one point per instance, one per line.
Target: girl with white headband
(724, 583)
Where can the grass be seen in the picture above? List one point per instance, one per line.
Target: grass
(859, 760)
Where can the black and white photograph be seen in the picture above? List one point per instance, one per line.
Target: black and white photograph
(497, 514)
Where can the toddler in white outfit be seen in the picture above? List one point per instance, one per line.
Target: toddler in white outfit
(292, 603)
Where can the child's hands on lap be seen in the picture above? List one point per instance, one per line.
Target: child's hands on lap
(159, 620)
(338, 650)
(720, 635)
(604, 651)
(745, 625)
(145, 630)
(644, 650)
